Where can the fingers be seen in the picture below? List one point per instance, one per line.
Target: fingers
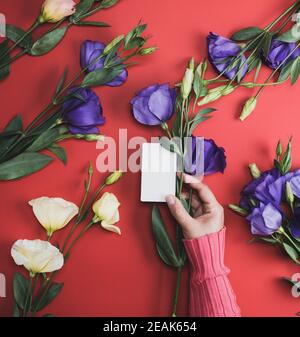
(204, 192)
(178, 211)
(195, 202)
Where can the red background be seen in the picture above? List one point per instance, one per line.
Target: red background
(123, 276)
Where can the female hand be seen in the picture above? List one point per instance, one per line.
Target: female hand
(208, 214)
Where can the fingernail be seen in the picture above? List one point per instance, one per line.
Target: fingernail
(170, 199)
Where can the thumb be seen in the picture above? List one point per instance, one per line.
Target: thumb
(178, 211)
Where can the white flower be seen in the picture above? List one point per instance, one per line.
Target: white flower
(53, 213)
(106, 211)
(37, 256)
(55, 10)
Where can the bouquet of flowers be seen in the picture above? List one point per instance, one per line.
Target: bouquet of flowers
(75, 110)
(155, 106)
(246, 51)
(270, 203)
(43, 259)
(61, 15)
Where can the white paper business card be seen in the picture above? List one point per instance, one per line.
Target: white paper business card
(159, 167)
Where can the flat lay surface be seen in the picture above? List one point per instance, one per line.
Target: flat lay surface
(122, 275)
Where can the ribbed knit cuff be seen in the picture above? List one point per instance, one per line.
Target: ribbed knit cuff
(206, 255)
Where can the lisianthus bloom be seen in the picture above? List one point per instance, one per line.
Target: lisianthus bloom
(295, 223)
(279, 51)
(154, 105)
(37, 256)
(55, 10)
(222, 52)
(89, 51)
(265, 220)
(106, 211)
(214, 157)
(83, 115)
(258, 190)
(53, 213)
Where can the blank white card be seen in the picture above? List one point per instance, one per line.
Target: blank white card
(159, 167)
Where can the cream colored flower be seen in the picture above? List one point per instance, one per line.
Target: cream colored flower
(53, 213)
(55, 10)
(106, 211)
(37, 256)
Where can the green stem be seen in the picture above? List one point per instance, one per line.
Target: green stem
(28, 294)
(290, 240)
(275, 70)
(176, 295)
(14, 58)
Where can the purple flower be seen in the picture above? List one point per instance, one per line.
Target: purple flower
(154, 105)
(265, 220)
(89, 51)
(279, 51)
(222, 52)
(213, 161)
(295, 223)
(258, 190)
(83, 115)
(214, 157)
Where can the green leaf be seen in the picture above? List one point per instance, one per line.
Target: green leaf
(267, 40)
(16, 311)
(102, 76)
(48, 41)
(81, 8)
(108, 3)
(135, 42)
(200, 117)
(50, 295)
(286, 162)
(133, 37)
(197, 84)
(15, 33)
(22, 165)
(291, 35)
(20, 288)
(4, 70)
(257, 70)
(285, 71)
(163, 242)
(61, 82)
(47, 138)
(264, 239)
(292, 253)
(15, 124)
(92, 23)
(295, 70)
(59, 152)
(246, 34)
(170, 145)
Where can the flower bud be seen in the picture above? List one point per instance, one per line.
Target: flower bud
(56, 10)
(249, 107)
(290, 198)
(278, 149)
(90, 137)
(238, 210)
(113, 178)
(192, 64)
(187, 83)
(255, 171)
(147, 51)
(112, 44)
(216, 93)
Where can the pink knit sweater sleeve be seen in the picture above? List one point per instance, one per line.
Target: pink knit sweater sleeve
(211, 294)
